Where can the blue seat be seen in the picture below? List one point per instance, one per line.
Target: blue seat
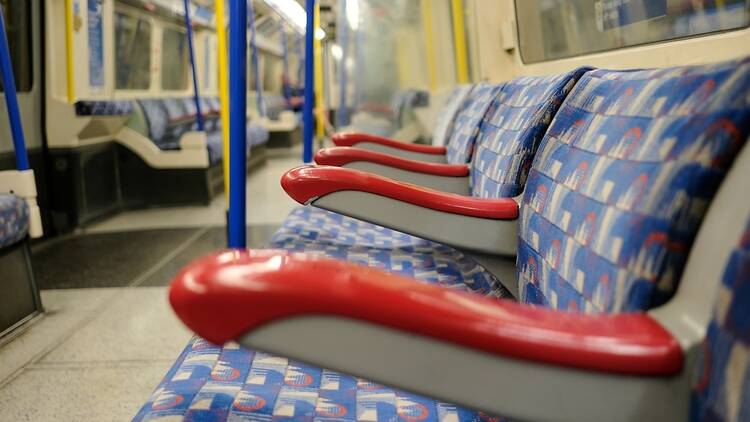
(499, 131)
(594, 238)
(721, 377)
(14, 219)
(170, 118)
(103, 108)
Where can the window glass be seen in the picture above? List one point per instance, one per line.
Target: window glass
(174, 63)
(18, 25)
(132, 52)
(272, 73)
(553, 29)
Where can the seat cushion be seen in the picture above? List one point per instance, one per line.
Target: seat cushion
(622, 181)
(348, 239)
(211, 383)
(460, 143)
(721, 376)
(14, 219)
(103, 108)
(510, 133)
(447, 114)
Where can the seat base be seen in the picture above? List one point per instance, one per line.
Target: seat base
(212, 383)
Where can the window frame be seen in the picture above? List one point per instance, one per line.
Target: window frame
(626, 47)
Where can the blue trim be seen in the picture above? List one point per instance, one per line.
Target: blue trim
(237, 120)
(256, 65)
(307, 116)
(196, 94)
(11, 100)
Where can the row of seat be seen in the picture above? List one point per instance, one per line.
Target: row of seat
(604, 176)
(165, 120)
(170, 118)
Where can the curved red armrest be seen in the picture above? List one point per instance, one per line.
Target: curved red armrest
(224, 296)
(307, 183)
(349, 139)
(338, 156)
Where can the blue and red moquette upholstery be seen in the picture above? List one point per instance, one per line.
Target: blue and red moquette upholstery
(721, 379)
(502, 146)
(593, 237)
(14, 219)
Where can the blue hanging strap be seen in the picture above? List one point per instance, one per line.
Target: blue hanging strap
(11, 100)
(307, 114)
(237, 119)
(285, 57)
(196, 94)
(256, 66)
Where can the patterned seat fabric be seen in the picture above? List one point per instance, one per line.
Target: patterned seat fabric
(721, 376)
(460, 142)
(211, 383)
(511, 131)
(14, 219)
(444, 121)
(622, 180)
(508, 136)
(103, 108)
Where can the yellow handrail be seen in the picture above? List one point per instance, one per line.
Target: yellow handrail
(429, 43)
(319, 100)
(459, 41)
(221, 38)
(69, 50)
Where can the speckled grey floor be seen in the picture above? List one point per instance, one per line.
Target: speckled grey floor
(98, 352)
(131, 258)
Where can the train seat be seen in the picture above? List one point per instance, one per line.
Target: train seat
(14, 219)
(461, 133)
(602, 248)
(103, 108)
(506, 139)
(387, 120)
(486, 226)
(168, 119)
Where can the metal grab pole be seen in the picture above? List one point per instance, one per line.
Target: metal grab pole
(237, 111)
(196, 94)
(307, 114)
(11, 100)
(285, 75)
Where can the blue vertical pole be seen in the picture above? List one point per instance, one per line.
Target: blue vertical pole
(237, 110)
(11, 101)
(196, 94)
(307, 113)
(256, 66)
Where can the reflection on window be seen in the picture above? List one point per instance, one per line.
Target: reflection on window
(132, 52)
(18, 24)
(174, 62)
(553, 29)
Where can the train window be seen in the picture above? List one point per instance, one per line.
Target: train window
(18, 24)
(553, 29)
(174, 63)
(132, 51)
(273, 66)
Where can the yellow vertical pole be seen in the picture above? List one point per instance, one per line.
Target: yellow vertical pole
(429, 43)
(319, 100)
(459, 41)
(69, 50)
(221, 38)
